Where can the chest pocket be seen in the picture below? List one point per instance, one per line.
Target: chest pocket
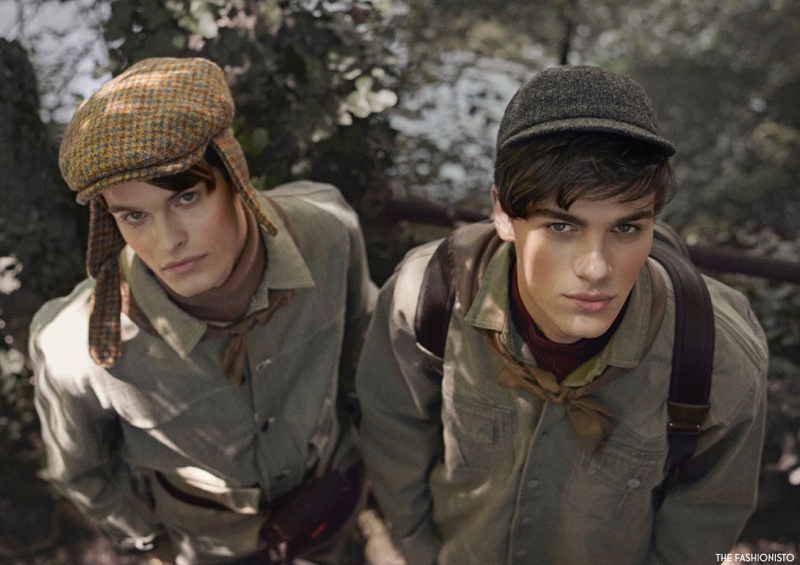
(151, 391)
(618, 481)
(477, 437)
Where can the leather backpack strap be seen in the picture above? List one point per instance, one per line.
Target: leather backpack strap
(473, 247)
(452, 278)
(435, 303)
(692, 361)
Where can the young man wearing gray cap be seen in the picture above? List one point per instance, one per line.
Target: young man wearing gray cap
(541, 437)
(191, 391)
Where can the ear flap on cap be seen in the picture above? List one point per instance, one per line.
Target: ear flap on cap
(233, 158)
(105, 245)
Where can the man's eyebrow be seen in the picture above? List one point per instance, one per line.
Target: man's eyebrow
(644, 214)
(168, 200)
(557, 214)
(563, 216)
(118, 209)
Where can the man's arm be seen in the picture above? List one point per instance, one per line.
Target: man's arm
(400, 397)
(700, 519)
(82, 464)
(361, 295)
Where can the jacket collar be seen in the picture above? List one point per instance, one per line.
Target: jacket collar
(286, 269)
(491, 310)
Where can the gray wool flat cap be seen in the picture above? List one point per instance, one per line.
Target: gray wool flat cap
(580, 98)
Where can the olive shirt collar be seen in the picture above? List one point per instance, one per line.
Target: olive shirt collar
(286, 269)
(491, 310)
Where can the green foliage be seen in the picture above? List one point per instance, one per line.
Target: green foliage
(310, 79)
(776, 304)
(41, 249)
(502, 28)
(724, 77)
(17, 414)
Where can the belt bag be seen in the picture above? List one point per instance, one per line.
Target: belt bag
(306, 516)
(314, 512)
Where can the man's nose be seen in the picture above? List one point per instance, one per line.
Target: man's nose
(593, 262)
(171, 234)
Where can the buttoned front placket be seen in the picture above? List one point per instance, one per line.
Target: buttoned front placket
(541, 480)
(273, 445)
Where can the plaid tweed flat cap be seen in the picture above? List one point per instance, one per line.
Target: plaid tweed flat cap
(155, 119)
(580, 98)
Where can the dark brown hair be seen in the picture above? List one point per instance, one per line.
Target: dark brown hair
(203, 170)
(569, 166)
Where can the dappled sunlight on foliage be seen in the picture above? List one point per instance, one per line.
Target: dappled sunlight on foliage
(777, 304)
(311, 80)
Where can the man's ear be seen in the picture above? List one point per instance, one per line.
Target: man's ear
(502, 221)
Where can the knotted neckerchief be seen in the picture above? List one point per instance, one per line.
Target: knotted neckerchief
(591, 420)
(235, 356)
(471, 249)
(228, 301)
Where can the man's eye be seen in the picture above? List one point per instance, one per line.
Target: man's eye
(133, 217)
(559, 227)
(188, 197)
(626, 228)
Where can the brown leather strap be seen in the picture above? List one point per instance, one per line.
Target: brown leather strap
(191, 499)
(470, 247)
(692, 366)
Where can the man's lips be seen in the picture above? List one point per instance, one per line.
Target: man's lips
(183, 265)
(590, 302)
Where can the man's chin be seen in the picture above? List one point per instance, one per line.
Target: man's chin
(591, 329)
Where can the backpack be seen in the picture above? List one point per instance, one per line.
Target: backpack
(693, 349)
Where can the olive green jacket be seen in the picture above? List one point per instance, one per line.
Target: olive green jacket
(469, 472)
(167, 407)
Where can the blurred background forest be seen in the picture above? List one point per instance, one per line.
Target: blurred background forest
(397, 102)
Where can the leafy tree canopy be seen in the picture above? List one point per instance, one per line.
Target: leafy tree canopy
(310, 79)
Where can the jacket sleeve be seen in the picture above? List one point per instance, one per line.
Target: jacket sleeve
(400, 397)
(82, 464)
(698, 518)
(360, 302)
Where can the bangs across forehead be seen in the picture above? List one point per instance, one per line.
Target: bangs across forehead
(626, 191)
(203, 170)
(595, 166)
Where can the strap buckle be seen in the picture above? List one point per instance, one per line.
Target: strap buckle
(686, 418)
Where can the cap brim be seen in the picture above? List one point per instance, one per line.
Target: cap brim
(591, 125)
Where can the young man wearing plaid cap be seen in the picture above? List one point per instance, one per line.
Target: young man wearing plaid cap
(542, 436)
(191, 389)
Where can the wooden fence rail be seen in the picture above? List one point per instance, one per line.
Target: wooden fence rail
(712, 258)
